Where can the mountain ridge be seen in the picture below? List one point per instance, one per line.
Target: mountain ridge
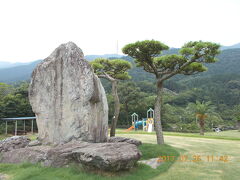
(229, 64)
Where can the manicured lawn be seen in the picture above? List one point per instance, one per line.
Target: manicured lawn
(200, 147)
(194, 160)
(227, 135)
(4, 136)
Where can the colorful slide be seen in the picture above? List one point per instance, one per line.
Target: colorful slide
(129, 129)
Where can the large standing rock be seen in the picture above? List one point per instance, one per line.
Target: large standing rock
(68, 99)
(103, 156)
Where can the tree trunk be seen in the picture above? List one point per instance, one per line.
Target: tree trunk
(157, 113)
(201, 123)
(116, 108)
(238, 125)
(127, 112)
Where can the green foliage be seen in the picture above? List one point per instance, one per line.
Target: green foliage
(199, 51)
(236, 113)
(144, 52)
(202, 108)
(173, 62)
(115, 68)
(16, 103)
(129, 95)
(147, 87)
(189, 60)
(214, 120)
(188, 128)
(5, 89)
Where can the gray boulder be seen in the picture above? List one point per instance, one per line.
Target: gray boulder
(68, 99)
(14, 142)
(101, 156)
(123, 139)
(33, 155)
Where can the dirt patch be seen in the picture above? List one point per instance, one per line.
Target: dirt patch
(153, 163)
(4, 177)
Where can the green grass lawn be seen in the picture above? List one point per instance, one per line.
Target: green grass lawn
(184, 145)
(227, 135)
(202, 147)
(31, 136)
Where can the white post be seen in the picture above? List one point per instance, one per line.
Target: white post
(15, 128)
(24, 126)
(32, 126)
(6, 127)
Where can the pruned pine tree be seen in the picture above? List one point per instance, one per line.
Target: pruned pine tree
(189, 61)
(112, 70)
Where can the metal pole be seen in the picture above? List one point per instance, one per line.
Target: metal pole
(32, 126)
(6, 127)
(15, 128)
(24, 126)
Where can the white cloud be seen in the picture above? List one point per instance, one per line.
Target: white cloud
(31, 30)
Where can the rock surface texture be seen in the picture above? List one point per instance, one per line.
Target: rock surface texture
(124, 139)
(68, 99)
(14, 142)
(103, 156)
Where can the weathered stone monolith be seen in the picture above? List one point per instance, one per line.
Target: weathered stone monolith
(68, 99)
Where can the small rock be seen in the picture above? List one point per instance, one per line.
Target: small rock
(14, 142)
(34, 143)
(123, 139)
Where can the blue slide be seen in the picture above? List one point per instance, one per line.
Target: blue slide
(139, 123)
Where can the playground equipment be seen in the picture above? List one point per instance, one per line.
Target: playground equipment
(146, 123)
(150, 121)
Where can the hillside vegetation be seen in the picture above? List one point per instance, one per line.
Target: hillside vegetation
(220, 85)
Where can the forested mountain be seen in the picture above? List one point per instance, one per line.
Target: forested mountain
(92, 57)
(231, 47)
(13, 72)
(220, 85)
(4, 64)
(18, 73)
(229, 63)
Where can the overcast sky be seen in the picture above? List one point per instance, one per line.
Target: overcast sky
(32, 29)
